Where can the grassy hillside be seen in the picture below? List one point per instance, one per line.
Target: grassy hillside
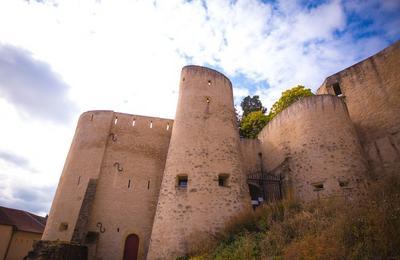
(335, 228)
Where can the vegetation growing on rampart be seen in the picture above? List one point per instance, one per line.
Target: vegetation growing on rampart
(254, 118)
(336, 228)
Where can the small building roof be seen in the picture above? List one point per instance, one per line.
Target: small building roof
(22, 220)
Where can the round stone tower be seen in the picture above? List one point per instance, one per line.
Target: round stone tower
(319, 140)
(203, 183)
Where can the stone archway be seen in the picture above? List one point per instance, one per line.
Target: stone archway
(131, 247)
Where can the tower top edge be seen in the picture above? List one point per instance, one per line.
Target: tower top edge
(115, 113)
(197, 67)
(304, 105)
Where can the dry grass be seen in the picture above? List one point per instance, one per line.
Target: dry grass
(366, 228)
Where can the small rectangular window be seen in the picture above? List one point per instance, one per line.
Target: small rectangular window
(336, 89)
(63, 226)
(182, 181)
(343, 183)
(223, 180)
(318, 186)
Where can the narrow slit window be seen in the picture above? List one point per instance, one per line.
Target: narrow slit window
(182, 181)
(318, 186)
(337, 90)
(115, 120)
(79, 180)
(91, 117)
(148, 184)
(151, 124)
(129, 183)
(167, 126)
(223, 180)
(133, 122)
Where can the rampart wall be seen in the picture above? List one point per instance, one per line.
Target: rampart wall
(204, 147)
(125, 156)
(319, 139)
(129, 184)
(251, 155)
(371, 90)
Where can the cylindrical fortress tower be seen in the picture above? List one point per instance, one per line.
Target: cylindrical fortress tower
(83, 163)
(318, 138)
(203, 183)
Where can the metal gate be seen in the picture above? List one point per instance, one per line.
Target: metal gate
(270, 186)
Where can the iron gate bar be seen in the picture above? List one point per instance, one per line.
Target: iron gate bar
(263, 179)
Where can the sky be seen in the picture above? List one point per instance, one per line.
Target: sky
(61, 58)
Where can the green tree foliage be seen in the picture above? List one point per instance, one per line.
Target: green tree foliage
(251, 104)
(254, 119)
(252, 124)
(289, 97)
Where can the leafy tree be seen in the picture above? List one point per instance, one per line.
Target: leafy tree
(251, 104)
(254, 119)
(289, 97)
(252, 124)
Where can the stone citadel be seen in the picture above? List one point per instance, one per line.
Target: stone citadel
(148, 188)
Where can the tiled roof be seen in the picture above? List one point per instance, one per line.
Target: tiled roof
(22, 220)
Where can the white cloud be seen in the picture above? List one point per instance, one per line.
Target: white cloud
(32, 86)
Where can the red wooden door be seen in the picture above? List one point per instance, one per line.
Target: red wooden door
(131, 247)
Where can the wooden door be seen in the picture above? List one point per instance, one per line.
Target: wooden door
(131, 247)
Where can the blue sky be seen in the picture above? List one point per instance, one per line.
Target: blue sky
(61, 58)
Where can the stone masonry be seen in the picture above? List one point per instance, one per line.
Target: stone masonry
(153, 187)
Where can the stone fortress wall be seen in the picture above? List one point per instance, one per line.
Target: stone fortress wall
(82, 164)
(318, 137)
(170, 182)
(204, 148)
(251, 155)
(128, 187)
(124, 156)
(371, 91)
